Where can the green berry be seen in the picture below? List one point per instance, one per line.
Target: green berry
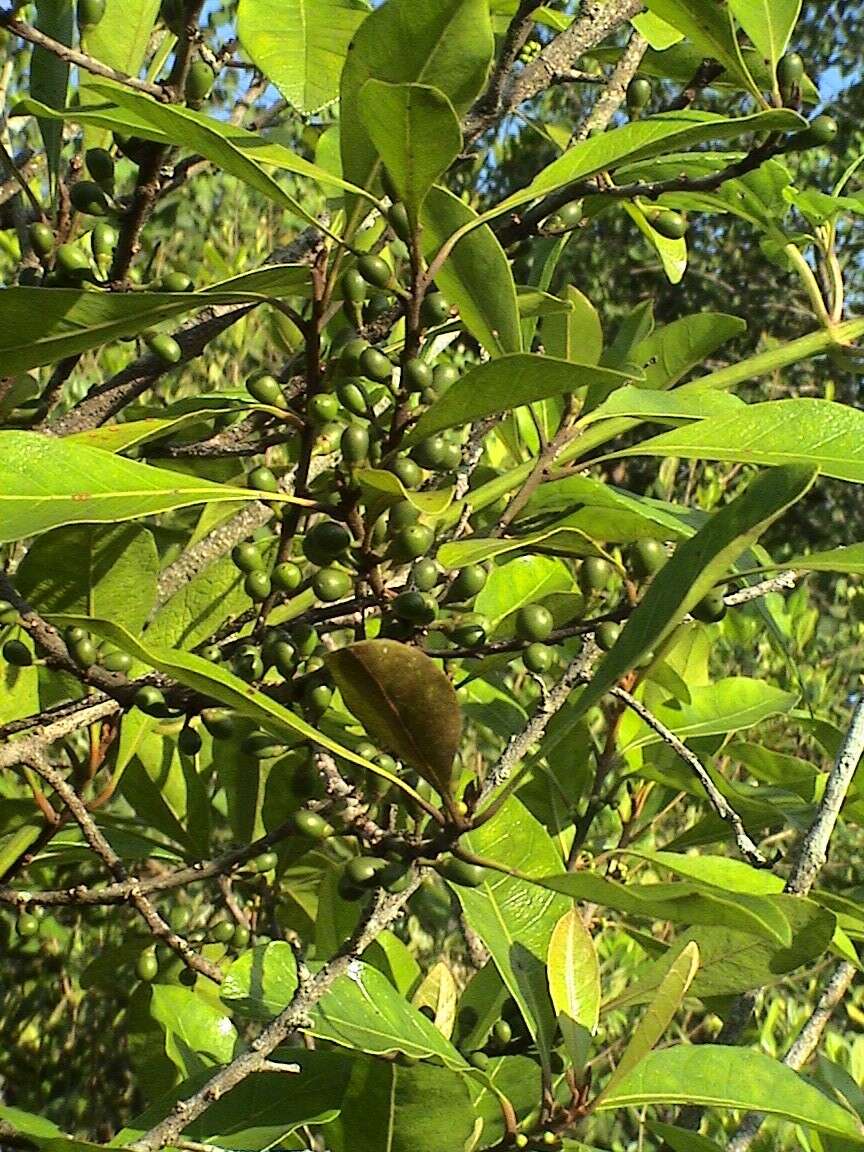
(266, 862)
(638, 93)
(790, 70)
(479, 1060)
(645, 557)
(435, 309)
(222, 931)
(100, 165)
(189, 742)
(150, 701)
(72, 261)
(415, 607)
(502, 1033)
(471, 634)
(375, 365)
(566, 218)
(460, 872)
(821, 131)
(330, 584)
(88, 197)
(594, 574)
(240, 937)
(416, 375)
(374, 271)
(83, 652)
(263, 479)
(353, 286)
(470, 581)
(221, 723)
(317, 697)
(607, 635)
(17, 654)
(41, 239)
(537, 658)
(257, 586)
(176, 282)
(179, 918)
(326, 541)
(165, 347)
(412, 541)
(322, 408)
(266, 389)
(352, 398)
(362, 870)
(90, 13)
(534, 622)
(116, 661)
(399, 222)
(350, 354)
(213, 653)
(354, 444)
(451, 457)
(262, 746)
(672, 225)
(248, 664)
(247, 557)
(305, 639)
(199, 82)
(425, 575)
(26, 925)
(284, 659)
(710, 608)
(407, 470)
(147, 967)
(103, 240)
(287, 577)
(311, 825)
(430, 453)
(521, 1140)
(444, 376)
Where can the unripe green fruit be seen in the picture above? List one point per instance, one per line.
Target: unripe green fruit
(534, 622)
(176, 282)
(348, 891)
(311, 825)
(284, 659)
(375, 365)
(353, 286)
(374, 271)
(247, 557)
(287, 577)
(607, 635)
(74, 633)
(179, 918)
(305, 639)
(221, 723)
(90, 13)
(266, 390)
(257, 586)
(425, 575)
(415, 607)
(88, 197)
(822, 130)
(566, 218)
(645, 557)
(17, 654)
(399, 222)
(416, 375)
(222, 931)
(189, 742)
(670, 224)
(502, 1033)
(520, 1140)
(72, 260)
(331, 584)
(451, 457)
(240, 937)
(385, 761)
(263, 479)
(262, 746)
(116, 662)
(430, 453)
(407, 470)
(638, 92)
(103, 240)
(470, 635)
(400, 516)
(322, 409)
(444, 376)
(83, 653)
(354, 444)
(352, 398)
(213, 653)
(248, 664)
(100, 165)
(435, 309)
(412, 541)
(594, 574)
(165, 347)
(537, 658)
(395, 877)
(460, 872)
(26, 925)
(147, 967)
(317, 697)
(350, 354)
(710, 608)
(326, 541)
(790, 70)
(150, 701)
(363, 869)
(266, 862)
(199, 82)
(470, 581)
(479, 1060)
(41, 239)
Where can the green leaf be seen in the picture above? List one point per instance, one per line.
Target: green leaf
(526, 580)
(696, 565)
(672, 253)
(300, 46)
(405, 702)
(446, 42)
(198, 1034)
(167, 793)
(437, 993)
(49, 75)
(805, 431)
(682, 1139)
(92, 571)
(709, 28)
(193, 614)
(720, 1076)
(672, 351)
(40, 325)
(506, 383)
(847, 559)
(459, 553)
(382, 489)
(476, 277)
(415, 132)
(575, 335)
(659, 1014)
(691, 402)
(46, 482)
(261, 982)
(574, 981)
(768, 23)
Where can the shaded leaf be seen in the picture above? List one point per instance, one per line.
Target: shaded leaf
(574, 982)
(197, 1033)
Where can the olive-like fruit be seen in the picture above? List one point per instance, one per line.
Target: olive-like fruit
(311, 825)
(479, 1060)
(534, 623)
(322, 408)
(247, 557)
(317, 697)
(471, 634)
(305, 639)
(147, 967)
(566, 218)
(520, 1140)
(790, 70)
(26, 925)
(221, 723)
(672, 225)
(353, 286)
(416, 375)
(502, 1033)
(326, 541)
(331, 584)
(451, 457)
(266, 862)
(444, 376)
(248, 664)
(257, 586)
(116, 661)
(266, 389)
(352, 398)
(240, 937)
(262, 746)
(17, 654)
(212, 652)
(821, 130)
(41, 239)
(72, 261)
(374, 271)
(83, 652)
(263, 479)
(425, 575)
(645, 557)
(150, 700)
(222, 931)
(354, 444)
(430, 453)
(594, 574)
(375, 365)
(537, 658)
(710, 608)
(638, 93)
(435, 309)
(407, 470)
(412, 541)
(189, 742)
(90, 13)
(460, 872)
(363, 869)
(607, 635)
(199, 81)
(165, 347)
(349, 357)
(179, 918)
(103, 240)
(400, 516)
(176, 282)
(399, 222)
(88, 197)
(470, 581)
(284, 659)
(100, 165)
(415, 607)
(287, 577)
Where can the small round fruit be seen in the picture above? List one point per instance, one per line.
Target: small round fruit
(822, 130)
(26, 925)
(100, 165)
(479, 1060)
(41, 239)
(17, 654)
(594, 574)
(451, 457)
(607, 635)
(534, 623)
(537, 658)
(262, 746)
(322, 408)
(638, 92)
(246, 557)
(521, 1140)
(435, 309)
(416, 375)
(150, 700)
(672, 225)
(311, 825)
(72, 261)
(331, 584)
(116, 661)
(286, 577)
(266, 862)
(103, 240)
(165, 347)
(412, 541)
(468, 584)
(83, 652)
(221, 723)
(349, 357)
(88, 197)
(502, 1033)
(305, 639)
(444, 376)
(430, 453)
(240, 937)
(353, 286)
(375, 365)
(199, 82)
(400, 516)
(326, 541)
(266, 390)
(363, 869)
(179, 918)
(189, 742)
(415, 607)
(317, 697)
(147, 967)
(263, 479)
(374, 271)
(460, 872)
(407, 470)
(352, 398)
(284, 659)
(222, 931)
(790, 70)
(74, 633)
(645, 557)
(257, 586)
(354, 444)
(551, 1139)
(566, 218)
(472, 634)
(212, 652)
(176, 282)
(399, 222)
(90, 13)
(425, 575)
(710, 608)
(248, 664)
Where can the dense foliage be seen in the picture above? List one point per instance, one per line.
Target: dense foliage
(429, 615)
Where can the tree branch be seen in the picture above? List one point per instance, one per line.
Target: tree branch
(612, 96)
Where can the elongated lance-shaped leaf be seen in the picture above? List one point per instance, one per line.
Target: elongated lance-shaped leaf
(768, 23)
(710, 28)
(574, 982)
